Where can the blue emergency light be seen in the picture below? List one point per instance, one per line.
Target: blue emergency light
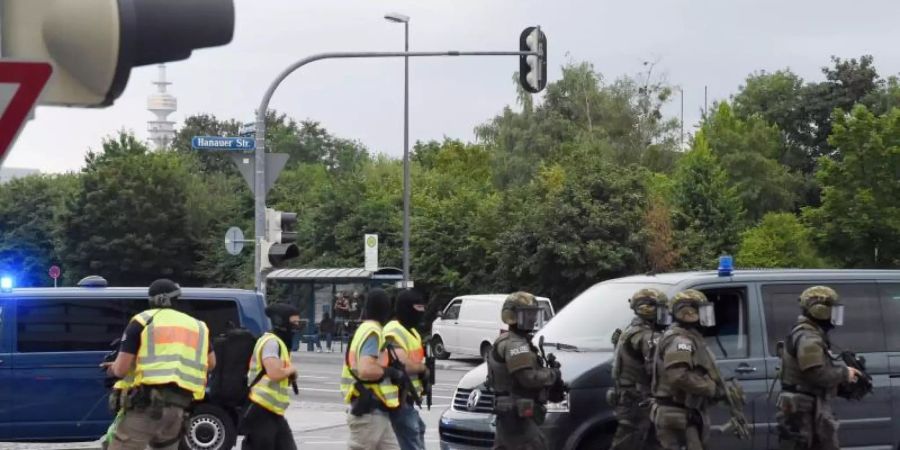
(726, 265)
(6, 284)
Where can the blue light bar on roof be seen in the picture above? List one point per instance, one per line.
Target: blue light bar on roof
(726, 266)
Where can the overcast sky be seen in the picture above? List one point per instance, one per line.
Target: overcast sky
(696, 43)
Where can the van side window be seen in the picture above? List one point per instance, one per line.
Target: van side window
(728, 338)
(452, 313)
(890, 304)
(863, 329)
(68, 325)
(215, 313)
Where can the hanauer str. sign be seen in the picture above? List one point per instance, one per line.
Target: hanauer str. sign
(223, 143)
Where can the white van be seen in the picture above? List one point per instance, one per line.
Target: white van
(470, 324)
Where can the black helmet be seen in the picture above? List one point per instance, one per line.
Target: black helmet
(280, 314)
(162, 292)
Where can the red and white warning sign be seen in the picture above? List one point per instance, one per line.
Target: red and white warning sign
(20, 85)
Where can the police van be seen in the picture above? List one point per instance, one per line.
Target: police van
(52, 341)
(754, 310)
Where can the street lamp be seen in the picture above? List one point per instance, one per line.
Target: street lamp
(400, 18)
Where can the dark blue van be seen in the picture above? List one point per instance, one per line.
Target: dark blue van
(53, 339)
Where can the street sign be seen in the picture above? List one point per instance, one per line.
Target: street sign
(248, 129)
(234, 240)
(20, 85)
(223, 143)
(371, 248)
(54, 272)
(274, 164)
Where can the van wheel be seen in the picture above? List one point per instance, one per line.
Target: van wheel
(485, 350)
(209, 428)
(600, 439)
(437, 348)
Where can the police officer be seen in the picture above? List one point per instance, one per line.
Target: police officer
(632, 371)
(809, 377)
(684, 375)
(163, 362)
(270, 375)
(517, 377)
(368, 383)
(406, 344)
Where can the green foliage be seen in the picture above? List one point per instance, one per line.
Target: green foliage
(29, 208)
(780, 240)
(707, 211)
(858, 224)
(573, 225)
(748, 151)
(128, 219)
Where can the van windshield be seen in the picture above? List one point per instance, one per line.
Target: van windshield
(588, 321)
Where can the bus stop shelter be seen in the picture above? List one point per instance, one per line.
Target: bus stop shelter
(313, 292)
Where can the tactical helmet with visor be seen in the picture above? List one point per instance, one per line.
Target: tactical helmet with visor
(691, 306)
(821, 303)
(521, 310)
(648, 303)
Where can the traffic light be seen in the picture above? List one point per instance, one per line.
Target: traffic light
(532, 68)
(278, 245)
(93, 44)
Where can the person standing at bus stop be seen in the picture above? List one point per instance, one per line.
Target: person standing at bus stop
(163, 361)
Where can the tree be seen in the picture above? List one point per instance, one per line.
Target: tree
(858, 223)
(574, 225)
(29, 211)
(748, 150)
(128, 220)
(707, 211)
(780, 240)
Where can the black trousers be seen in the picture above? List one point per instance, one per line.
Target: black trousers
(265, 430)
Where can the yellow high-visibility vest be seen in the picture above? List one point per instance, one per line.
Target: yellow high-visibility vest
(386, 391)
(272, 395)
(174, 350)
(411, 343)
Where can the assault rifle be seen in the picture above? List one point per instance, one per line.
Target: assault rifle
(863, 385)
(109, 357)
(734, 396)
(428, 382)
(557, 392)
(406, 383)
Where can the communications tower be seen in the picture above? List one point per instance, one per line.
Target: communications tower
(161, 104)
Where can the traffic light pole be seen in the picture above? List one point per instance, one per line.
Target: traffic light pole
(259, 181)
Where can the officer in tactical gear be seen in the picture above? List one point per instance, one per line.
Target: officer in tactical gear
(517, 377)
(809, 376)
(684, 375)
(632, 371)
(163, 360)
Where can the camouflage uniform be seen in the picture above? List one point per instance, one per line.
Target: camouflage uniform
(809, 381)
(632, 370)
(683, 382)
(520, 385)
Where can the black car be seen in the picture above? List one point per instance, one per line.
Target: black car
(754, 310)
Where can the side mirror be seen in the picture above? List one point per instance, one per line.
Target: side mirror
(440, 315)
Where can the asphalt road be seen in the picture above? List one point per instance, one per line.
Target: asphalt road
(318, 415)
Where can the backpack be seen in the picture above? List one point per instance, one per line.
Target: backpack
(228, 384)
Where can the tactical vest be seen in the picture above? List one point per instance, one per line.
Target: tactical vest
(174, 350)
(700, 357)
(792, 378)
(384, 390)
(629, 367)
(411, 342)
(272, 395)
(499, 379)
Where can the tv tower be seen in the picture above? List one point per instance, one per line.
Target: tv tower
(161, 104)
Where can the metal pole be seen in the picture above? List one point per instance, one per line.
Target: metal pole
(406, 180)
(259, 181)
(682, 117)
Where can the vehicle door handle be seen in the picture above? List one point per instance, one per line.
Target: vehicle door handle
(744, 369)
